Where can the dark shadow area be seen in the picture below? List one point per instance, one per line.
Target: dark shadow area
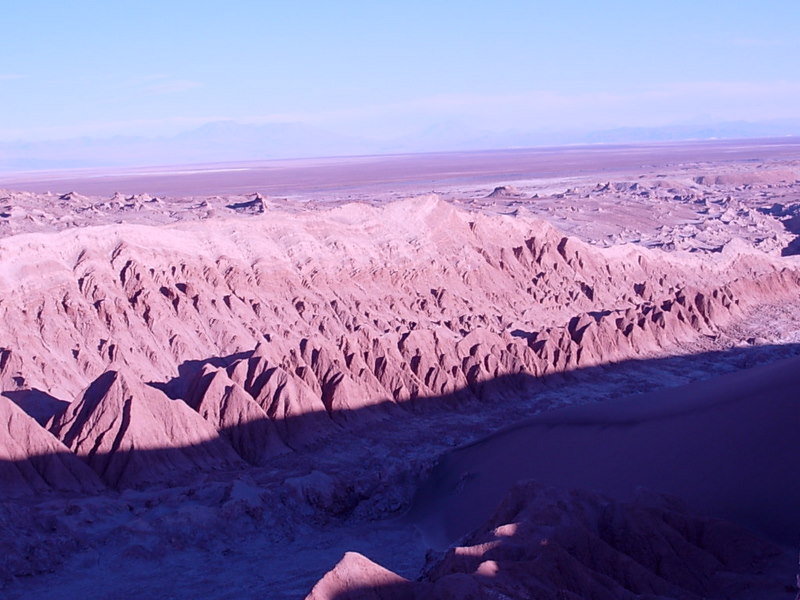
(38, 404)
(554, 543)
(749, 502)
(789, 215)
(792, 248)
(502, 390)
(252, 207)
(189, 370)
(725, 446)
(524, 335)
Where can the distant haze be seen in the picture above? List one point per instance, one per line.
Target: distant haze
(89, 83)
(229, 141)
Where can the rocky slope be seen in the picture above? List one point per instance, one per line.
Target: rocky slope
(418, 271)
(33, 461)
(556, 544)
(286, 328)
(131, 434)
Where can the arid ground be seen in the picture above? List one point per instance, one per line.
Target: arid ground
(549, 373)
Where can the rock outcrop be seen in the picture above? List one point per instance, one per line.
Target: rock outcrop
(547, 543)
(355, 577)
(553, 544)
(236, 415)
(32, 461)
(131, 434)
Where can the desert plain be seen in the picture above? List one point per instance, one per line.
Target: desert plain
(544, 373)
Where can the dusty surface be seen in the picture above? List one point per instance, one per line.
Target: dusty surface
(229, 392)
(682, 196)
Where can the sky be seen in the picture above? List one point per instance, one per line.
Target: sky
(383, 69)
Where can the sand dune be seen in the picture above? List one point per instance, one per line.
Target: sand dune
(723, 446)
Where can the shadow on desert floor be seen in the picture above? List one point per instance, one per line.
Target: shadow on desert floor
(731, 437)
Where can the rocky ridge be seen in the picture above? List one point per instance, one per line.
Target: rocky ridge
(275, 351)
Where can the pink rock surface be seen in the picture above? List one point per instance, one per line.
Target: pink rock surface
(131, 434)
(33, 461)
(422, 280)
(356, 577)
(236, 416)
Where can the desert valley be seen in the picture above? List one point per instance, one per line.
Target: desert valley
(553, 373)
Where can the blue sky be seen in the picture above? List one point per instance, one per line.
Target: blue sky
(386, 68)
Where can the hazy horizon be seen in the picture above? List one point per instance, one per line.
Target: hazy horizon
(365, 78)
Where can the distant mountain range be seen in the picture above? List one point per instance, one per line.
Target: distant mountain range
(231, 141)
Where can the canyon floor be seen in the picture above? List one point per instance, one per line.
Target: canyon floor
(550, 373)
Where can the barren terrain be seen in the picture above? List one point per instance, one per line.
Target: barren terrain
(551, 374)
